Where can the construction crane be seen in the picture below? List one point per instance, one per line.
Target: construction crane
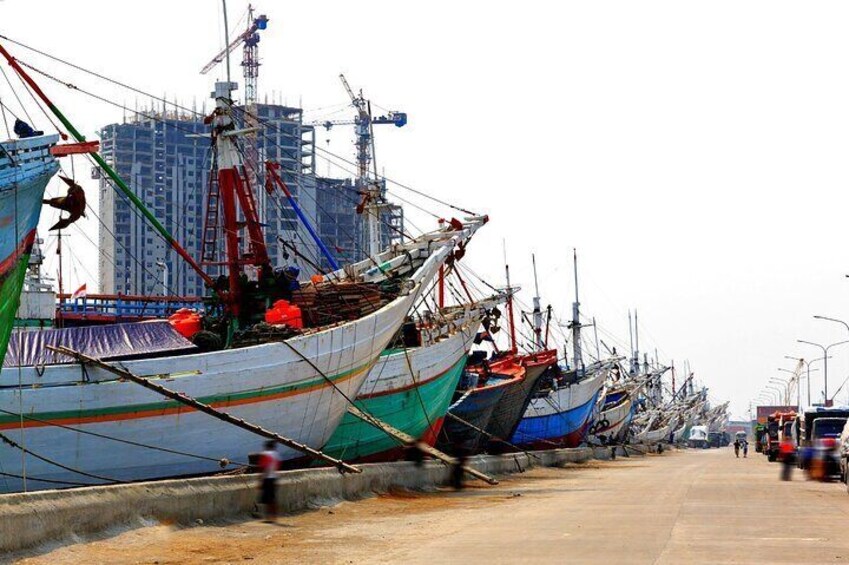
(363, 128)
(371, 190)
(250, 59)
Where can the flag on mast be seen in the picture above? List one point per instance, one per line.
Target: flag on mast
(79, 293)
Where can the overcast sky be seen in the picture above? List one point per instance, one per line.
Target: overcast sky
(693, 152)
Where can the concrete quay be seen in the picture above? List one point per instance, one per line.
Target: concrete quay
(689, 506)
(29, 520)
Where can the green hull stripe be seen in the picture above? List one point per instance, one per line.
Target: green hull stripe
(355, 439)
(10, 301)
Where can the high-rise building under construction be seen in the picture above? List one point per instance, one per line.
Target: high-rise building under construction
(165, 158)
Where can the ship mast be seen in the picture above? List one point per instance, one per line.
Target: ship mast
(538, 345)
(636, 341)
(234, 186)
(510, 318)
(633, 371)
(61, 308)
(577, 355)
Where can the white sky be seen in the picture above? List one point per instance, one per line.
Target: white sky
(693, 152)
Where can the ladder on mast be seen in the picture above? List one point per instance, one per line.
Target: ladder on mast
(209, 242)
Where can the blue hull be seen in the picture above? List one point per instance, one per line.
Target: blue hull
(475, 408)
(565, 428)
(611, 399)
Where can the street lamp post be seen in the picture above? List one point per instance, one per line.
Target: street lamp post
(837, 321)
(785, 389)
(775, 390)
(808, 367)
(825, 362)
(845, 325)
(798, 388)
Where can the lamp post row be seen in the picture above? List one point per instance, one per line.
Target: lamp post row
(825, 357)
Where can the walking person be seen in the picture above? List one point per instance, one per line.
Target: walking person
(745, 448)
(269, 464)
(737, 448)
(786, 453)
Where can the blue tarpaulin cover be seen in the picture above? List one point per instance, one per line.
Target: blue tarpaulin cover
(28, 348)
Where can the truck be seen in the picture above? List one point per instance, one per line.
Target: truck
(843, 454)
(698, 437)
(787, 422)
(714, 439)
(819, 426)
(771, 444)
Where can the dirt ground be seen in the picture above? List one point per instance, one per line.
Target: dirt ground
(681, 507)
(344, 532)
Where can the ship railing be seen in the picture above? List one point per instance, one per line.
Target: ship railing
(20, 157)
(125, 307)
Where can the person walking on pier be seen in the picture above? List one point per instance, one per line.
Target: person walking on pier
(269, 464)
(786, 452)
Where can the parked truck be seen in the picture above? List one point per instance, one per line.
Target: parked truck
(787, 421)
(819, 428)
(771, 444)
(698, 437)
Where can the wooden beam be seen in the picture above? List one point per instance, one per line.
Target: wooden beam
(410, 441)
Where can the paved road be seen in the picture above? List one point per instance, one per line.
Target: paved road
(683, 507)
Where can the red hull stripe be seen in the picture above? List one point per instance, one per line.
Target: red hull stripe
(159, 412)
(25, 246)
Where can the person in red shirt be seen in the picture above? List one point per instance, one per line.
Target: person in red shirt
(269, 464)
(786, 451)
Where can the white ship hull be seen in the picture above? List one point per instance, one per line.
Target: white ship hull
(269, 385)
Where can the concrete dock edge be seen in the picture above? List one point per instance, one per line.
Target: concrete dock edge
(28, 520)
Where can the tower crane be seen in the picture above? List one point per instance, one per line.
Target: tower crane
(369, 188)
(250, 58)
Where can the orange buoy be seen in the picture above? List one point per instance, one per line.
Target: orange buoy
(284, 312)
(187, 322)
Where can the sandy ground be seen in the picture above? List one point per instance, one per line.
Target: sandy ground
(684, 507)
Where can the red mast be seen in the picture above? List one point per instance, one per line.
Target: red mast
(513, 347)
(441, 288)
(234, 187)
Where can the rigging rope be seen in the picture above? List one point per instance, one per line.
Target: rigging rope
(26, 478)
(119, 440)
(343, 159)
(5, 121)
(154, 117)
(61, 133)
(11, 442)
(15, 94)
(183, 108)
(157, 119)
